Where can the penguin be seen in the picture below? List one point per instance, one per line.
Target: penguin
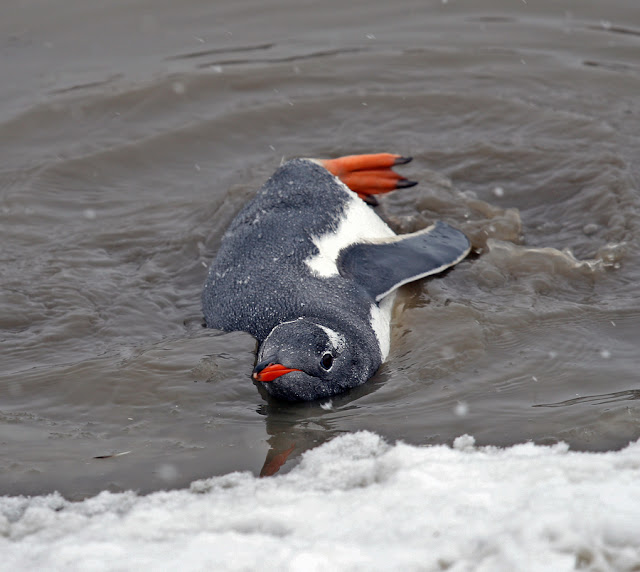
(310, 270)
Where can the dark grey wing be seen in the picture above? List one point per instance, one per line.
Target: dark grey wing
(384, 266)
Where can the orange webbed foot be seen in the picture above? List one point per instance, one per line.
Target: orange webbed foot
(369, 175)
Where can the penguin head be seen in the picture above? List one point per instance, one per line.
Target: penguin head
(303, 360)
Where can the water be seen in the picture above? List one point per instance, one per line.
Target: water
(130, 135)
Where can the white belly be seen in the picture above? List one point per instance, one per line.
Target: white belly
(360, 224)
(381, 322)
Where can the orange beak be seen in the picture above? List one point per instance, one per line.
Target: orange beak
(271, 371)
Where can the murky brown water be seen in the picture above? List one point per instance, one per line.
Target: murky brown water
(131, 132)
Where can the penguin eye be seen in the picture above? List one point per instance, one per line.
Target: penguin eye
(327, 361)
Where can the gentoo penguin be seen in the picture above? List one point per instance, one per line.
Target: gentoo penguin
(310, 270)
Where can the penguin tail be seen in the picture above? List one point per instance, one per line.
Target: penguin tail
(369, 175)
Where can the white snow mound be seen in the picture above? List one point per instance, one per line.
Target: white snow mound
(356, 503)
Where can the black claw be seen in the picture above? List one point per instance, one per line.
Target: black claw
(405, 184)
(370, 200)
(403, 160)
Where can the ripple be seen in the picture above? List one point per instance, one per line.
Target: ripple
(228, 50)
(602, 399)
(114, 198)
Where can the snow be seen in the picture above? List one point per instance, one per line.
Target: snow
(355, 503)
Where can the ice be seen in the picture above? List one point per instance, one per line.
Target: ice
(355, 503)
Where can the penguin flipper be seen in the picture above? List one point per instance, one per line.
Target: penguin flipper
(382, 267)
(369, 175)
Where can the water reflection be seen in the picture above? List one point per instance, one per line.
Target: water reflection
(295, 428)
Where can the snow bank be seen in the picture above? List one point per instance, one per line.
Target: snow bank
(355, 503)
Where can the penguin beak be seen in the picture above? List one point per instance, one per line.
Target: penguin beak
(267, 370)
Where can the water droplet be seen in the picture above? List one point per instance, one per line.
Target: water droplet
(461, 409)
(447, 352)
(167, 472)
(90, 214)
(498, 192)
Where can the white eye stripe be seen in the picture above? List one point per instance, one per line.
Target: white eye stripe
(337, 340)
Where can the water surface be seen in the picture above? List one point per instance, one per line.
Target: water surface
(132, 132)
